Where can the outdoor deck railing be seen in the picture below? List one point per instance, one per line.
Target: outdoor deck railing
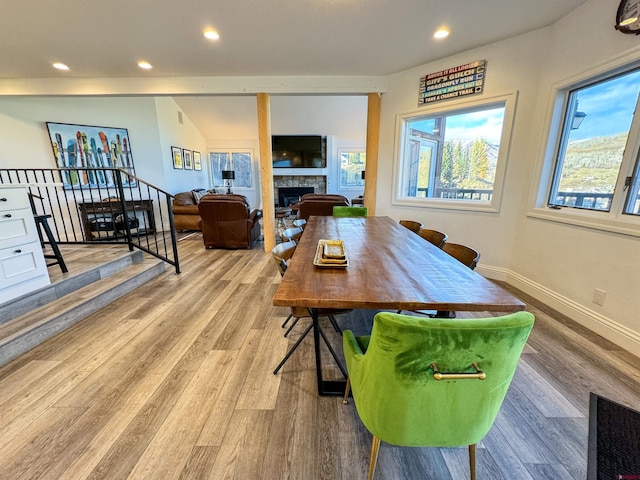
(105, 205)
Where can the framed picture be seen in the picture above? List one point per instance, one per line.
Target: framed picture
(197, 162)
(188, 161)
(89, 147)
(176, 154)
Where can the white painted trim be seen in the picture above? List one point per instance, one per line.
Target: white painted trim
(622, 336)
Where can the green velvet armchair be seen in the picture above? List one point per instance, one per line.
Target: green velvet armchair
(433, 382)
(340, 211)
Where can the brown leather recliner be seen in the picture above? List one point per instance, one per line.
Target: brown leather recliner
(228, 221)
(320, 204)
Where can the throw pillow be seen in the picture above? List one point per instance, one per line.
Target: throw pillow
(198, 194)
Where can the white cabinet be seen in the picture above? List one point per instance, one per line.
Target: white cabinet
(23, 267)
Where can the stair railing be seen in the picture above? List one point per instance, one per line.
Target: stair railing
(101, 205)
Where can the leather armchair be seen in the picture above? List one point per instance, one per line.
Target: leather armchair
(320, 204)
(228, 221)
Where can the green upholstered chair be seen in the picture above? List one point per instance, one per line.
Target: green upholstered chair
(394, 378)
(340, 211)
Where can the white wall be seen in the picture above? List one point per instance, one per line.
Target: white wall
(184, 135)
(557, 263)
(563, 264)
(25, 140)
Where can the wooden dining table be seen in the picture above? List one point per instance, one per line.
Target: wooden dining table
(389, 268)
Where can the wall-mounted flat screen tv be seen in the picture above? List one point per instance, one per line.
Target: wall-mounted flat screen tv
(299, 151)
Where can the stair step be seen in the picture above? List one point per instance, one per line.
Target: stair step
(82, 297)
(30, 301)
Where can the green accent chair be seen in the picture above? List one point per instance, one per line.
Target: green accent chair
(393, 375)
(339, 211)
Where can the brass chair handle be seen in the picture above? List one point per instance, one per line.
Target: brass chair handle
(437, 375)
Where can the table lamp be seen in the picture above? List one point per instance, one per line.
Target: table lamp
(228, 176)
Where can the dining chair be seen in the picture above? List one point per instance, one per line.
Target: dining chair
(340, 211)
(466, 255)
(292, 234)
(282, 253)
(411, 225)
(431, 382)
(433, 236)
(299, 222)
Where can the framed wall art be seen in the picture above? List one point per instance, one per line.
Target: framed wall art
(188, 161)
(197, 161)
(90, 147)
(176, 155)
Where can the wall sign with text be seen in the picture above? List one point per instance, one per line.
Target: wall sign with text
(453, 82)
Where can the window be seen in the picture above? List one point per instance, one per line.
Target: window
(352, 164)
(237, 160)
(454, 158)
(595, 154)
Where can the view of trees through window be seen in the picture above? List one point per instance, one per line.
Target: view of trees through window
(594, 136)
(453, 156)
(352, 164)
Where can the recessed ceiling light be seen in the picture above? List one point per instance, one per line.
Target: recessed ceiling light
(60, 66)
(442, 32)
(145, 65)
(211, 34)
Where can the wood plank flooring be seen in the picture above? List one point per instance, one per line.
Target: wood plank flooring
(175, 382)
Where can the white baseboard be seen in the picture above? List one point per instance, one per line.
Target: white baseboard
(622, 336)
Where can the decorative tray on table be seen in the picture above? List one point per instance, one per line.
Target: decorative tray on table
(331, 254)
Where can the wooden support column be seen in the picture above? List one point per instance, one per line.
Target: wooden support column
(373, 140)
(266, 170)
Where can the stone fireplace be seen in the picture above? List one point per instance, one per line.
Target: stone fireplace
(287, 189)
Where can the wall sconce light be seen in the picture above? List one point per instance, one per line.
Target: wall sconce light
(228, 176)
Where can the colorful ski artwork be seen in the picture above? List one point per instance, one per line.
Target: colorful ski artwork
(93, 151)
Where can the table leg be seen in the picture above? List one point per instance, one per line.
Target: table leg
(325, 387)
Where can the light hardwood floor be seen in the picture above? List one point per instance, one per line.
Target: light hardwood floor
(175, 381)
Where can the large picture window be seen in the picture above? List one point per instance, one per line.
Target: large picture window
(239, 161)
(595, 153)
(455, 157)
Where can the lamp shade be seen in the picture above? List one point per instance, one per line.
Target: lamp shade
(228, 175)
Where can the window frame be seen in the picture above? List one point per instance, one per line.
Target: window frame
(615, 220)
(451, 108)
(230, 152)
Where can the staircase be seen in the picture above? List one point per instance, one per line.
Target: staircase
(29, 320)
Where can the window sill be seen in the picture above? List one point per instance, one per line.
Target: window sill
(625, 227)
(446, 204)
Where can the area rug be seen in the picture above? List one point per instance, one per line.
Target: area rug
(614, 441)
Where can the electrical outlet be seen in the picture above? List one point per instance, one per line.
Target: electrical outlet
(599, 296)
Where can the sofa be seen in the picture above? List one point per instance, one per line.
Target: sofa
(227, 221)
(186, 215)
(320, 204)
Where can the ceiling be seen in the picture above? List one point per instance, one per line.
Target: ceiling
(98, 38)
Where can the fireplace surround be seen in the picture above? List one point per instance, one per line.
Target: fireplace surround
(294, 186)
